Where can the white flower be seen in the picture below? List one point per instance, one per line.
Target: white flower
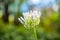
(31, 18)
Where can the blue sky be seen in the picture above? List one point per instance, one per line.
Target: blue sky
(42, 3)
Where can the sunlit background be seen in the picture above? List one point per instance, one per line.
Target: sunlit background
(12, 29)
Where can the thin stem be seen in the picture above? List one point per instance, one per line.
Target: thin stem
(35, 33)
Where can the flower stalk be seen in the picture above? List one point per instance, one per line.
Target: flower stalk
(35, 35)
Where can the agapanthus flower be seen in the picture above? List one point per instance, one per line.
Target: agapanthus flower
(31, 18)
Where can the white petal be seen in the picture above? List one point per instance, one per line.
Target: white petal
(20, 20)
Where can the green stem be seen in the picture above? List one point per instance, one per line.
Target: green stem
(35, 33)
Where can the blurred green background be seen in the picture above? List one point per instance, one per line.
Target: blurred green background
(12, 29)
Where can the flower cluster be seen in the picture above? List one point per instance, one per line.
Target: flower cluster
(31, 18)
